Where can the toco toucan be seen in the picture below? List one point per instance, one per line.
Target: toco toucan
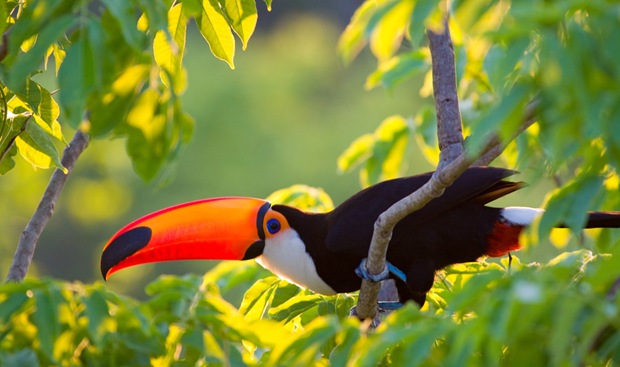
(321, 252)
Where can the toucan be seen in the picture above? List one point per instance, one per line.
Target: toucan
(322, 251)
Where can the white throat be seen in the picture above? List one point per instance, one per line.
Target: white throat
(285, 255)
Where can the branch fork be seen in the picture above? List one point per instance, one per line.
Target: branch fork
(454, 160)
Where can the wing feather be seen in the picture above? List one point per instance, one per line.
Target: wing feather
(351, 224)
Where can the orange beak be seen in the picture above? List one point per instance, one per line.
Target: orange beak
(211, 229)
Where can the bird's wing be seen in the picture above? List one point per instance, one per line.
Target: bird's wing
(352, 223)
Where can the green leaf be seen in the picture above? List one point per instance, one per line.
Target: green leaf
(417, 24)
(503, 118)
(426, 135)
(76, 78)
(11, 305)
(303, 349)
(36, 147)
(294, 307)
(192, 8)
(229, 274)
(169, 52)
(146, 137)
(398, 69)
(156, 14)
(96, 311)
(268, 3)
(243, 17)
(124, 13)
(7, 163)
(113, 109)
(568, 206)
(26, 63)
(3, 15)
(36, 16)
(45, 318)
(214, 28)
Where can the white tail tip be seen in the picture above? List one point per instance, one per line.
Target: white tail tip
(520, 215)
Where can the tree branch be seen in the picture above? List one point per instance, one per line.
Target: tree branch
(449, 130)
(529, 117)
(30, 235)
(454, 160)
(440, 180)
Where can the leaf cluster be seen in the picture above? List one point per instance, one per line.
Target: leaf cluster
(118, 67)
(559, 313)
(507, 53)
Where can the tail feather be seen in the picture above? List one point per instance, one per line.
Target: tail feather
(603, 220)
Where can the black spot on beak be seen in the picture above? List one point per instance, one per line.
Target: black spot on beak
(124, 246)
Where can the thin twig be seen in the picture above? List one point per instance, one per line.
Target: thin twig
(30, 235)
(449, 126)
(11, 141)
(529, 118)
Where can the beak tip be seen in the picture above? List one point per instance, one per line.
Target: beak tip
(123, 246)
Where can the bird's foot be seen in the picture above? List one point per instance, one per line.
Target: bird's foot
(363, 273)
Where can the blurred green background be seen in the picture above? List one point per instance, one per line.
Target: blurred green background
(281, 118)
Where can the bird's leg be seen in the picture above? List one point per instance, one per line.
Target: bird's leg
(509, 261)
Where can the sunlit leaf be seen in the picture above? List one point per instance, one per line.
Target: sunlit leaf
(468, 13)
(386, 36)
(216, 31)
(169, 52)
(353, 39)
(36, 147)
(358, 152)
(303, 349)
(381, 152)
(257, 298)
(303, 197)
(230, 274)
(294, 307)
(33, 97)
(243, 17)
(426, 135)
(35, 16)
(398, 69)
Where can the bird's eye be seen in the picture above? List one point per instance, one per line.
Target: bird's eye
(273, 226)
